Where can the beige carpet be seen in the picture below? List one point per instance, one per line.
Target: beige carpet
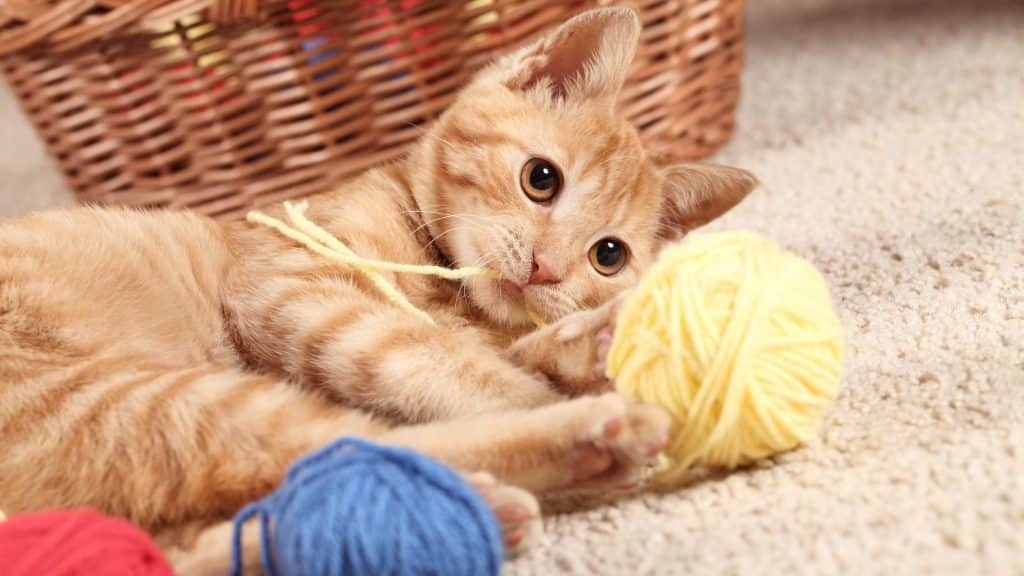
(890, 138)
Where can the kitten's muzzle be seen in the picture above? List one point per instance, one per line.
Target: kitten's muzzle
(511, 289)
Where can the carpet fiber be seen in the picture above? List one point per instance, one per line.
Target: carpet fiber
(889, 135)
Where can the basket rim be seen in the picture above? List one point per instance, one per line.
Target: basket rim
(67, 25)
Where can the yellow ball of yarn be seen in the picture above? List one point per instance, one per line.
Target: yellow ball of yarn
(738, 339)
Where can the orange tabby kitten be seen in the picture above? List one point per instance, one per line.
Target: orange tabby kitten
(168, 368)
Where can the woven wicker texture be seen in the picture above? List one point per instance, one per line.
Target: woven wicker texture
(221, 106)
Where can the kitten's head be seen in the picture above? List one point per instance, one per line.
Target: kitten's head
(531, 172)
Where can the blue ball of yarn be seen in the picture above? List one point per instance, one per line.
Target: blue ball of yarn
(357, 508)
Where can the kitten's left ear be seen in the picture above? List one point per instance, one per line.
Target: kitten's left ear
(586, 57)
(695, 194)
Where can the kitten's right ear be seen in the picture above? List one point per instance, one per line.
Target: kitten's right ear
(586, 57)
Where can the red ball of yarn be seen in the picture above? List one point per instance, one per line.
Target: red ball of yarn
(77, 543)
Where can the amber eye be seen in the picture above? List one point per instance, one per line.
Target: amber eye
(540, 180)
(608, 256)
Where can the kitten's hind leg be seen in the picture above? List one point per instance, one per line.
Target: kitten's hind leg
(208, 552)
(199, 550)
(516, 510)
(160, 445)
(591, 442)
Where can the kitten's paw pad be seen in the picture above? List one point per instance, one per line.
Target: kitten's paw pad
(623, 440)
(516, 510)
(589, 460)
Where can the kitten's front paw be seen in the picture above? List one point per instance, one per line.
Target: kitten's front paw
(573, 351)
(618, 445)
(592, 330)
(516, 509)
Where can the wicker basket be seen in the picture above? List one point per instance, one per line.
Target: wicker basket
(222, 105)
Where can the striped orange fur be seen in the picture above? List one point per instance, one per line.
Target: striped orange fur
(168, 368)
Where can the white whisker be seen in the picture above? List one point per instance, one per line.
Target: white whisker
(456, 228)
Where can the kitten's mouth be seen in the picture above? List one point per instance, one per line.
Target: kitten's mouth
(511, 290)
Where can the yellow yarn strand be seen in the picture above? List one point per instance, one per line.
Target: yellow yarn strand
(296, 213)
(322, 242)
(534, 316)
(738, 339)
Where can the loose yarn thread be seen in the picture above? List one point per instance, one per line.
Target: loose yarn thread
(738, 339)
(320, 241)
(361, 508)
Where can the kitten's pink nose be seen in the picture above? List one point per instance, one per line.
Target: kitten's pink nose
(543, 271)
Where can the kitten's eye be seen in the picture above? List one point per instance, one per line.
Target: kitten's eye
(540, 180)
(608, 255)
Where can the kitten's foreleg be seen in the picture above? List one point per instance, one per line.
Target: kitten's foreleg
(591, 442)
(208, 553)
(328, 334)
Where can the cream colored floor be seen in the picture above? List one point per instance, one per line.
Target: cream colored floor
(890, 138)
